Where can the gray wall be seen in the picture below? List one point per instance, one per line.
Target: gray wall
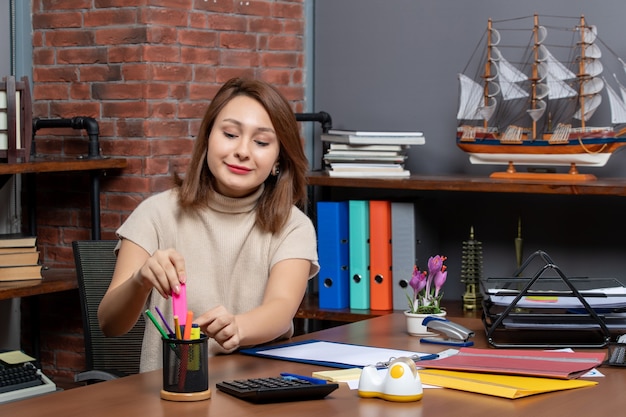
(393, 65)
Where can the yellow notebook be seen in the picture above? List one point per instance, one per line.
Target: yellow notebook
(507, 386)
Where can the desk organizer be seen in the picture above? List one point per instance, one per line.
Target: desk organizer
(551, 311)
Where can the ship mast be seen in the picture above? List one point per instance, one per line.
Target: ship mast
(582, 76)
(534, 78)
(487, 74)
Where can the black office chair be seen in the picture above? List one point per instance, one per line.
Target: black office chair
(107, 357)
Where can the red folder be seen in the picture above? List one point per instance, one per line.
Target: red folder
(551, 364)
(381, 282)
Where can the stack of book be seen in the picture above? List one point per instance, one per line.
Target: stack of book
(368, 154)
(19, 257)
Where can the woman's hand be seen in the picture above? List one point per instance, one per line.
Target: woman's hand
(164, 271)
(221, 325)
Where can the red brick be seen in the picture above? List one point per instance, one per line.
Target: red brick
(223, 22)
(67, 38)
(82, 56)
(204, 38)
(120, 36)
(100, 73)
(236, 58)
(238, 41)
(125, 109)
(57, 20)
(110, 17)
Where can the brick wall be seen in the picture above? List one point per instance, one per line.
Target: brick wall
(146, 72)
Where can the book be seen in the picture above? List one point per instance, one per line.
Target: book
(397, 159)
(19, 258)
(406, 139)
(4, 251)
(362, 148)
(369, 174)
(371, 133)
(19, 273)
(347, 166)
(16, 240)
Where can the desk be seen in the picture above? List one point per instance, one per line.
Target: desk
(139, 394)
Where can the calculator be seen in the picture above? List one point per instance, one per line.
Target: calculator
(275, 389)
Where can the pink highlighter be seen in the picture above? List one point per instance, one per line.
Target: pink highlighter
(179, 304)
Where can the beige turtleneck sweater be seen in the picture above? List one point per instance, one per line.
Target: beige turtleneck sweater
(228, 258)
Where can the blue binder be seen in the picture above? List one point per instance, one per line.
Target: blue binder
(333, 252)
(358, 212)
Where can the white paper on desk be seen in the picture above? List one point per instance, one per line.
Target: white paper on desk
(341, 353)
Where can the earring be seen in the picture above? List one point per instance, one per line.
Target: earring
(276, 170)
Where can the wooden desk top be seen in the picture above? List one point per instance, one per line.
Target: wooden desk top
(53, 280)
(139, 394)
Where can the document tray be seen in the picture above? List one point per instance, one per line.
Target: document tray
(546, 311)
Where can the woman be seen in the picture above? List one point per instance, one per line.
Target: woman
(231, 230)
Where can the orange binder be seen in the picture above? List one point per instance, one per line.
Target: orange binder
(381, 282)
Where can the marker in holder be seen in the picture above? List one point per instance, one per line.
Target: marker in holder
(186, 369)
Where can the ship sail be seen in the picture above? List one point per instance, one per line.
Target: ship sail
(591, 68)
(618, 106)
(471, 101)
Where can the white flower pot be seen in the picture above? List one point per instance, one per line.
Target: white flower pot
(414, 324)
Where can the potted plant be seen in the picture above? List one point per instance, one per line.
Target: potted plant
(425, 299)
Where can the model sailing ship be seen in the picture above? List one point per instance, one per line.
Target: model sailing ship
(537, 112)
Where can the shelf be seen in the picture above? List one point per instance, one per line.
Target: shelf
(53, 281)
(58, 164)
(605, 186)
(309, 309)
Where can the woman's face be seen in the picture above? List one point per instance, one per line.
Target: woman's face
(243, 147)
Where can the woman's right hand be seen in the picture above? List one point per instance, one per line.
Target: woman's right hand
(164, 271)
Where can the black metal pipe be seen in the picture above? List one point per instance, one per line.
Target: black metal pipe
(322, 117)
(79, 122)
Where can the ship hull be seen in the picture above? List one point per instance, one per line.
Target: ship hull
(593, 152)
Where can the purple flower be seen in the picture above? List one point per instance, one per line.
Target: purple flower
(427, 286)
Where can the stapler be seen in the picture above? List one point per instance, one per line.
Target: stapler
(455, 334)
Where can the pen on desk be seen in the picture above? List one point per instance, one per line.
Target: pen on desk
(177, 328)
(310, 379)
(169, 329)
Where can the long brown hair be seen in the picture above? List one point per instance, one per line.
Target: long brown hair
(282, 191)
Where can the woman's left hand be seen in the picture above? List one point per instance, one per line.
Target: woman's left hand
(221, 325)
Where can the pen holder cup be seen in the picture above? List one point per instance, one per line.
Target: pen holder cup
(186, 369)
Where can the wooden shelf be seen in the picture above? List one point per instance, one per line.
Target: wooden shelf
(309, 309)
(604, 186)
(53, 281)
(58, 164)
